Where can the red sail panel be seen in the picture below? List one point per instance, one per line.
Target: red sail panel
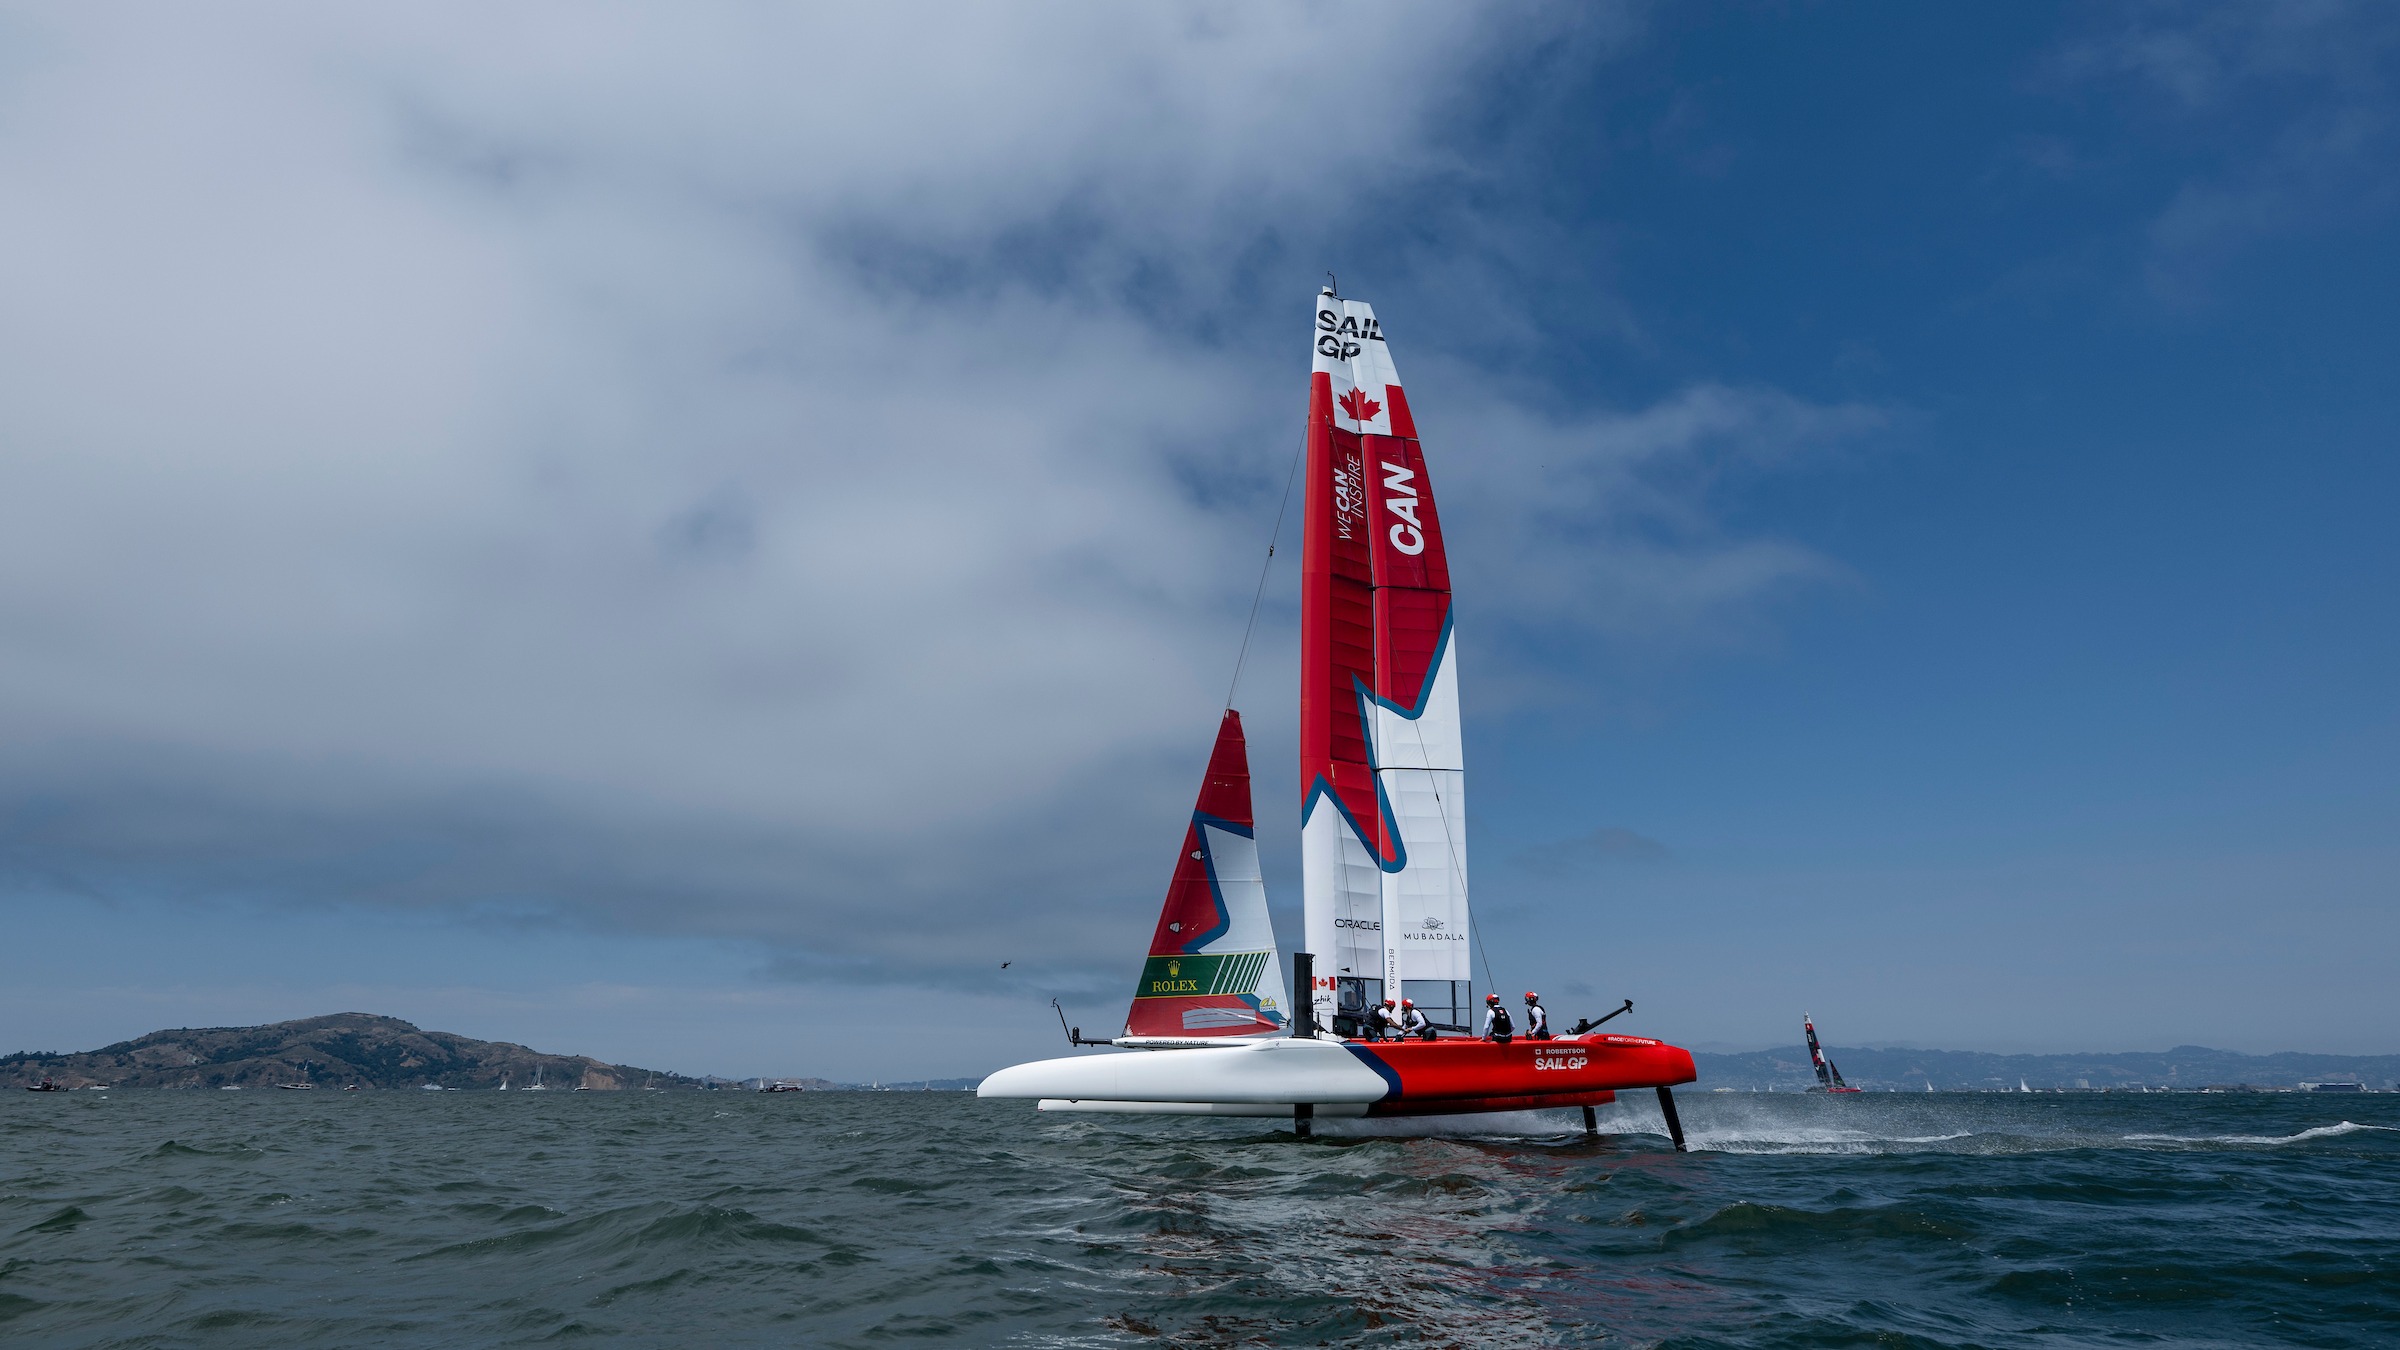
(1411, 568)
(1193, 912)
(1337, 616)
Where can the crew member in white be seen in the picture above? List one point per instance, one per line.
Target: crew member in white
(1413, 1021)
(1537, 1018)
(1386, 1026)
(1497, 1025)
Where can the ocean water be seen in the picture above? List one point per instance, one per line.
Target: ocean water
(872, 1219)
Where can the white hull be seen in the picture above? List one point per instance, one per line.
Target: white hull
(1346, 1109)
(1264, 1073)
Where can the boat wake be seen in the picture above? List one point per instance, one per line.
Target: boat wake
(2264, 1140)
(1820, 1127)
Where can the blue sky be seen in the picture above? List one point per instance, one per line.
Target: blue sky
(691, 537)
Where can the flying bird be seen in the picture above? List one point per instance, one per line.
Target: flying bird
(1004, 965)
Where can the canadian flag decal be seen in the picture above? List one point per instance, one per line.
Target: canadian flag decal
(1359, 406)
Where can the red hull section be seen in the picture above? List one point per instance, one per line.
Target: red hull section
(1458, 1076)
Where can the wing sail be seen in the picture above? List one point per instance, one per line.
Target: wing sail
(1383, 820)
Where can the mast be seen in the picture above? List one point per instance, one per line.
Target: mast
(1383, 821)
(1212, 971)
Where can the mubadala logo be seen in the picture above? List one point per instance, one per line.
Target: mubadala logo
(1341, 336)
(1433, 931)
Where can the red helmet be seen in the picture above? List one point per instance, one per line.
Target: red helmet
(1387, 1003)
(1491, 998)
(1532, 997)
(1408, 1003)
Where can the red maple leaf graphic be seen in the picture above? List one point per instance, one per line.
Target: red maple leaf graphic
(1360, 407)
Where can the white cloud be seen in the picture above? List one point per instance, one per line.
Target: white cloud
(711, 469)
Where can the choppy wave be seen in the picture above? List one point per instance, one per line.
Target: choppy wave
(863, 1219)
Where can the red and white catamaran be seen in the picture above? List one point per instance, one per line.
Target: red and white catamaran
(1383, 839)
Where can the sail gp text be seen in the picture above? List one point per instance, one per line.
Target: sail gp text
(1341, 336)
(1560, 1061)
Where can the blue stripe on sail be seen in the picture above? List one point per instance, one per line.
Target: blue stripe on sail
(1366, 721)
(1216, 893)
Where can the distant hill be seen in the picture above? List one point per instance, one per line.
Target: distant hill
(332, 1052)
(2185, 1066)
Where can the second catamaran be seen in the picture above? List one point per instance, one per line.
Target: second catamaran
(1382, 837)
(1829, 1078)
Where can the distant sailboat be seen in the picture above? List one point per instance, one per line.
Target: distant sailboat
(2021, 1086)
(504, 1082)
(1829, 1078)
(537, 1081)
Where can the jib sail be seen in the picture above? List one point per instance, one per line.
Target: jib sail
(1212, 969)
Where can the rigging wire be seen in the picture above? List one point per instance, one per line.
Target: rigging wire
(1264, 566)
